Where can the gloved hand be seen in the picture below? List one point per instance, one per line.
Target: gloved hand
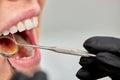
(106, 62)
(37, 76)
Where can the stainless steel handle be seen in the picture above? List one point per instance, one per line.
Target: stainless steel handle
(58, 50)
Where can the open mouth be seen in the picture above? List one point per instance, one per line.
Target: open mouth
(24, 32)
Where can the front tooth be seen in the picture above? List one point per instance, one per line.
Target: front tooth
(35, 21)
(5, 32)
(20, 27)
(28, 24)
(13, 29)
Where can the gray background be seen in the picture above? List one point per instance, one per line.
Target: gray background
(68, 23)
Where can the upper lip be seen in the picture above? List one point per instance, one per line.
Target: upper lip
(25, 15)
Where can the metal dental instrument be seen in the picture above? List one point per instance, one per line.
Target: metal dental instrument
(5, 49)
(58, 50)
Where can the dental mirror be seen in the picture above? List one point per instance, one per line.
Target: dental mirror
(7, 46)
(57, 50)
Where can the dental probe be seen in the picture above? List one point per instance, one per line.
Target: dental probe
(58, 50)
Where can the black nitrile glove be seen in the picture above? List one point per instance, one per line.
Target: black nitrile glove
(37, 76)
(106, 62)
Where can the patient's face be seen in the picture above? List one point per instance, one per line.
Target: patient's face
(22, 19)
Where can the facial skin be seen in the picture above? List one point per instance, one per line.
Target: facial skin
(11, 13)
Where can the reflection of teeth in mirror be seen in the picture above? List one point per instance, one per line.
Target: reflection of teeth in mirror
(22, 26)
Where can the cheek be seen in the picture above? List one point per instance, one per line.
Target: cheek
(41, 3)
(37, 30)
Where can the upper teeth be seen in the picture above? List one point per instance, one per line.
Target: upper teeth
(22, 26)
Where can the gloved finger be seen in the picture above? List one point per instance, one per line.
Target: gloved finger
(95, 45)
(39, 76)
(92, 73)
(109, 63)
(105, 64)
(109, 60)
(115, 76)
(85, 61)
(90, 69)
(83, 74)
(19, 76)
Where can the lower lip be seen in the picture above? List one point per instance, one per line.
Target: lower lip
(26, 63)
